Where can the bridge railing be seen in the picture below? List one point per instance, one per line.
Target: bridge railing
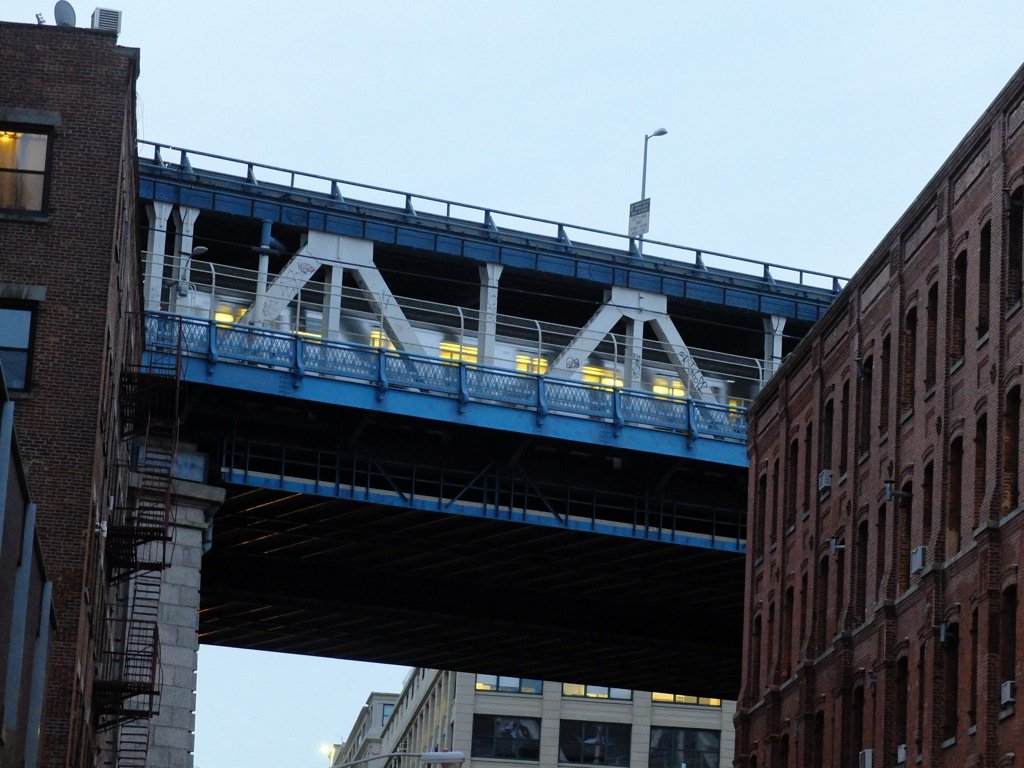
(386, 369)
(488, 221)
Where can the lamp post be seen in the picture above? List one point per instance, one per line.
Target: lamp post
(444, 758)
(643, 181)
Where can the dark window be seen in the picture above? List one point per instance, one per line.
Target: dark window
(761, 509)
(694, 748)
(1011, 446)
(787, 634)
(826, 435)
(16, 345)
(1015, 249)
(844, 427)
(808, 467)
(864, 407)
(883, 394)
(931, 335)
(909, 361)
(902, 699)
(860, 592)
(954, 502)
(980, 466)
(951, 681)
(24, 159)
(504, 684)
(792, 473)
(1008, 635)
(507, 738)
(386, 710)
(590, 743)
(984, 278)
(959, 307)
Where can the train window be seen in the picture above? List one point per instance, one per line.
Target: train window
(593, 374)
(379, 340)
(528, 364)
(668, 387)
(451, 350)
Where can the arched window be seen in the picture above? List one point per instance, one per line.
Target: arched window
(984, 278)
(950, 681)
(980, 467)
(864, 404)
(861, 585)
(821, 612)
(907, 390)
(902, 699)
(954, 504)
(931, 335)
(1015, 251)
(1008, 635)
(1011, 447)
(787, 634)
(884, 392)
(956, 343)
(844, 428)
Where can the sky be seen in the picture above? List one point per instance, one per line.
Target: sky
(798, 133)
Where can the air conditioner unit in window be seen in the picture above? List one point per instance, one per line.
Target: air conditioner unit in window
(866, 759)
(824, 479)
(107, 19)
(901, 754)
(917, 559)
(1008, 692)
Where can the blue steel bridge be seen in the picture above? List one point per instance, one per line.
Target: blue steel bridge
(460, 438)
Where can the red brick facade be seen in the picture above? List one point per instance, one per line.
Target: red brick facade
(887, 529)
(76, 264)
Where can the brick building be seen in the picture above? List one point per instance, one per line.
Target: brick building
(69, 295)
(886, 521)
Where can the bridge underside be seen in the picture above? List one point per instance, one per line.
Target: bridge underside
(490, 552)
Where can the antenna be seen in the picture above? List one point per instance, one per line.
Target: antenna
(64, 14)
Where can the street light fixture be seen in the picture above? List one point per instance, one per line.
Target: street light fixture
(643, 181)
(443, 758)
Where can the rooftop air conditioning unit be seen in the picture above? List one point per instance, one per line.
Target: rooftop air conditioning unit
(901, 754)
(917, 559)
(1008, 692)
(107, 19)
(824, 479)
(866, 759)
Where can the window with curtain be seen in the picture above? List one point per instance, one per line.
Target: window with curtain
(24, 159)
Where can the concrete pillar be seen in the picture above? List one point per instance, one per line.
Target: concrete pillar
(156, 246)
(186, 221)
(489, 276)
(773, 327)
(172, 735)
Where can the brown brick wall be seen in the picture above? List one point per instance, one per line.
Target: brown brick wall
(873, 612)
(82, 251)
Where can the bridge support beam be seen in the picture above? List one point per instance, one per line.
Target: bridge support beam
(487, 329)
(773, 327)
(156, 246)
(172, 734)
(185, 221)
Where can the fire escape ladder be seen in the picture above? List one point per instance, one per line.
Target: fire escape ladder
(127, 685)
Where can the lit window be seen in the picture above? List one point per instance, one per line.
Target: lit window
(668, 387)
(596, 692)
(23, 162)
(504, 684)
(527, 364)
(593, 374)
(16, 345)
(456, 352)
(680, 698)
(379, 340)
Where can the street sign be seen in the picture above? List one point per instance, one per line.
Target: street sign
(640, 217)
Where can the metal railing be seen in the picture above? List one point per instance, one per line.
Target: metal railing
(387, 369)
(480, 218)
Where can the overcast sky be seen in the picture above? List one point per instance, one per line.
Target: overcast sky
(798, 132)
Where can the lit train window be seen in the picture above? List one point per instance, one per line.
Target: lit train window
(451, 350)
(527, 364)
(380, 339)
(668, 388)
(593, 374)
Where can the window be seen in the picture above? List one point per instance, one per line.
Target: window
(956, 352)
(1015, 249)
(507, 738)
(860, 591)
(1008, 635)
(883, 394)
(826, 435)
(864, 407)
(761, 508)
(24, 158)
(597, 692)
(1011, 446)
(931, 335)
(984, 278)
(792, 473)
(386, 710)
(844, 427)
(902, 699)
(16, 329)
(909, 361)
(580, 741)
(508, 684)
(682, 698)
(951, 681)
(692, 747)
(953, 503)
(980, 466)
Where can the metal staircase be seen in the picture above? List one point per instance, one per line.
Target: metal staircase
(127, 686)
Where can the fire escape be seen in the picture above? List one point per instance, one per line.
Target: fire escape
(127, 685)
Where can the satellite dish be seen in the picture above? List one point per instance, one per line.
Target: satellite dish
(64, 14)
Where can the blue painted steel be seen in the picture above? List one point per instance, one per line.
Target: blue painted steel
(762, 292)
(272, 362)
(431, 504)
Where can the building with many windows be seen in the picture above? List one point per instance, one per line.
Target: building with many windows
(497, 720)
(886, 520)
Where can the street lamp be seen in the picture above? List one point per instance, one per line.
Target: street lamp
(445, 758)
(643, 182)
